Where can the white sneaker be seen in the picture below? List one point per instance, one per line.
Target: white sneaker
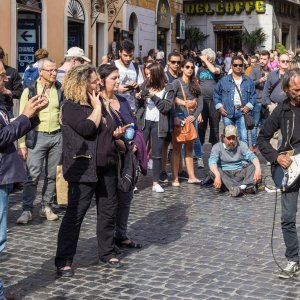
(200, 163)
(25, 217)
(157, 188)
(290, 270)
(46, 212)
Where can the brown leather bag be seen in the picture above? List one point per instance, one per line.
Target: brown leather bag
(187, 132)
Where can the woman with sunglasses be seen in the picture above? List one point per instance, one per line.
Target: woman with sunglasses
(152, 115)
(194, 102)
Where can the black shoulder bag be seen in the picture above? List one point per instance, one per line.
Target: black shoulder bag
(249, 122)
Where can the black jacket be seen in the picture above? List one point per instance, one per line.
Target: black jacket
(14, 84)
(282, 118)
(164, 106)
(79, 143)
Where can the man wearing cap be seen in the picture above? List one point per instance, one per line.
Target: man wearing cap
(74, 57)
(44, 145)
(227, 165)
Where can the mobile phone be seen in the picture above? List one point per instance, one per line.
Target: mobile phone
(129, 87)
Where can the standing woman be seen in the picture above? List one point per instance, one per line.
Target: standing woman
(194, 102)
(122, 114)
(152, 115)
(89, 165)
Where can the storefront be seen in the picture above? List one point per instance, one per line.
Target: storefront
(223, 22)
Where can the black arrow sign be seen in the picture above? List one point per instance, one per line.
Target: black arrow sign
(25, 36)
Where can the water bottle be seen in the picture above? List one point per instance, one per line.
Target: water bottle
(129, 133)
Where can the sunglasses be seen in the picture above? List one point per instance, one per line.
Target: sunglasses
(173, 62)
(285, 61)
(190, 67)
(238, 65)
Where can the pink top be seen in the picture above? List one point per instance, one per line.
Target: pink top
(274, 65)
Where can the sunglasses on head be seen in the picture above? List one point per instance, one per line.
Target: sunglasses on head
(189, 67)
(238, 65)
(285, 61)
(173, 62)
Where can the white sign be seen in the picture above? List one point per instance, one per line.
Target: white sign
(26, 36)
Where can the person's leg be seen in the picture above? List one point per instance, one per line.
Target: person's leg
(289, 203)
(227, 121)
(52, 160)
(248, 175)
(4, 192)
(214, 123)
(228, 179)
(124, 201)
(189, 161)
(1, 290)
(79, 199)
(203, 127)
(164, 155)
(176, 157)
(241, 127)
(106, 199)
(256, 117)
(197, 145)
(34, 164)
(157, 144)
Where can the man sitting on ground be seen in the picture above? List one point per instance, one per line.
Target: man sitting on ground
(227, 163)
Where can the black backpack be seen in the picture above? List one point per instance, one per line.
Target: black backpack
(128, 170)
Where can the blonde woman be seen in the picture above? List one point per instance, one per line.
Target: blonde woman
(90, 167)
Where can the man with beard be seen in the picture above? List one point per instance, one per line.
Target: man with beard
(286, 117)
(227, 165)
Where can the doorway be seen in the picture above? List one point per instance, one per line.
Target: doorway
(162, 39)
(75, 34)
(228, 40)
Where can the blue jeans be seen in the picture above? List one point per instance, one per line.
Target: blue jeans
(256, 117)
(5, 189)
(1, 290)
(239, 122)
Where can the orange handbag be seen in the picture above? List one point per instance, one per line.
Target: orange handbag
(187, 132)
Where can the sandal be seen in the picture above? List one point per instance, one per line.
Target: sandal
(194, 181)
(65, 271)
(112, 262)
(131, 244)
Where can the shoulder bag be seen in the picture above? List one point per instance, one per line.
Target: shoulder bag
(187, 132)
(249, 122)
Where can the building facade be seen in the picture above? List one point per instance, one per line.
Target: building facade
(223, 22)
(97, 26)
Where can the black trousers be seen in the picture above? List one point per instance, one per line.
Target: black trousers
(209, 115)
(79, 199)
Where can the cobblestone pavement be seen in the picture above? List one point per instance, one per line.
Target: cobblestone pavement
(197, 245)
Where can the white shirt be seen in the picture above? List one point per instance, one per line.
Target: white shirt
(237, 98)
(128, 75)
(152, 112)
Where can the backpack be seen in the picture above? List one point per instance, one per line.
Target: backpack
(128, 170)
(31, 74)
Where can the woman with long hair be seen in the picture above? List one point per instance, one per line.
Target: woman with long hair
(122, 114)
(186, 85)
(90, 167)
(153, 115)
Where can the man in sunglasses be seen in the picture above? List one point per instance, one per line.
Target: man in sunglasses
(74, 57)
(273, 93)
(235, 95)
(173, 66)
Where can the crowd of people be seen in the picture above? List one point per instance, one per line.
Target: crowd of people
(89, 118)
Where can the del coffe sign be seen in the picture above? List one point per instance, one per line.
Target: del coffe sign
(228, 7)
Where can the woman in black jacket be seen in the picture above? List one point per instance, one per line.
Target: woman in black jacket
(153, 115)
(89, 165)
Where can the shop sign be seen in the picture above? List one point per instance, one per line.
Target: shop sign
(228, 27)
(180, 26)
(228, 7)
(27, 42)
(163, 14)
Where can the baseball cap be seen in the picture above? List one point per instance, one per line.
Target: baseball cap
(230, 130)
(76, 52)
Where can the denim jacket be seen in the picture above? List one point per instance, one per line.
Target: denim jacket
(224, 94)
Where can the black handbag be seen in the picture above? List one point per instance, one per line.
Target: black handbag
(248, 118)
